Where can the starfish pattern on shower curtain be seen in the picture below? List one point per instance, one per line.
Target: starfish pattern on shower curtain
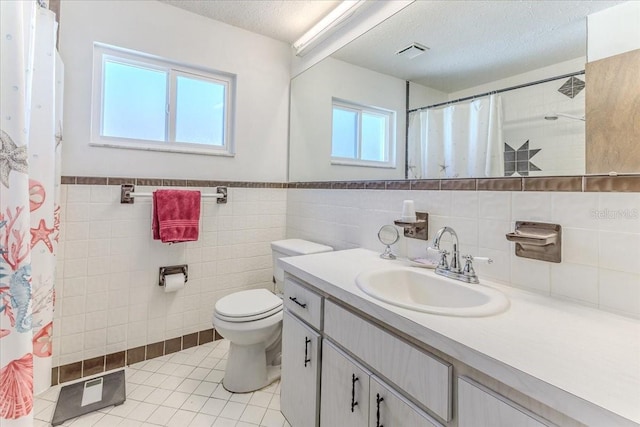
(42, 234)
(12, 157)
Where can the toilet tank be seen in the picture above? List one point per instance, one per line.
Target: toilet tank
(292, 247)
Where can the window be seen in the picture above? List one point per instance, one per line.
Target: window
(143, 102)
(362, 136)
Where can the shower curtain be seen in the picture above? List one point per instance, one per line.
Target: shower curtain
(30, 132)
(457, 141)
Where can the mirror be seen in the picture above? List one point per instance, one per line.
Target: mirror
(462, 49)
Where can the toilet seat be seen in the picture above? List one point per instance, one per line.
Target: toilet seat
(247, 306)
(253, 318)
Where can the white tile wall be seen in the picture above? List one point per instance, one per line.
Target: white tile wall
(561, 141)
(108, 299)
(107, 294)
(601, 235)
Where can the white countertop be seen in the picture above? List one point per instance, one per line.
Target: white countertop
(580, 361)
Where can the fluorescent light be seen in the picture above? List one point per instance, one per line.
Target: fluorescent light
(338, 15)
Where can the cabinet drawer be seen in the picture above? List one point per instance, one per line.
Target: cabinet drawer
(304, 303)
(422, 376)
(481, 407)
(388, 408)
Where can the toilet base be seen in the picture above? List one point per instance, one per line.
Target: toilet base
(247, 369)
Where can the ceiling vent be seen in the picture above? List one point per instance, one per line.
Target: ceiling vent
(412, 51)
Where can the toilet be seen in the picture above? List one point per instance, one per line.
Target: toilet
(252, 321)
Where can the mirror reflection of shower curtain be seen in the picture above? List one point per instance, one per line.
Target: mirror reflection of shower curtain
(459, 141)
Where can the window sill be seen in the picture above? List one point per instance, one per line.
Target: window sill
(172, 148)
(363, 163)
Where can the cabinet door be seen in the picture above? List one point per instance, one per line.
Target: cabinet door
(300, 372)
(345, 390)
(420, 375)
(480, 407)
(388, 409)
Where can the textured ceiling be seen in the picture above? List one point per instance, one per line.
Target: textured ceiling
(474, 42)
(284, 20)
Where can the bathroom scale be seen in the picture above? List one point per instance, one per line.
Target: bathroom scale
(88, 396)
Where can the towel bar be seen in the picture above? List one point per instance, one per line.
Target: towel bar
(127, 194)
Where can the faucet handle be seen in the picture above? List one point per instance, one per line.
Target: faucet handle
(468, 269)
(471, 258)
(443, 260)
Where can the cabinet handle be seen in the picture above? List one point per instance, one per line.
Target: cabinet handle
(295, 299)
(378, 400)
(353, 391)
(306, 351)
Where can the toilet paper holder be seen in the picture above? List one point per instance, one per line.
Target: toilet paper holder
(173, 269)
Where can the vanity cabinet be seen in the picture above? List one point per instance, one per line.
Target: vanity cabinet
(454, 372)
(481, 407)
(345, 390)
(420, 375)
(300, 382)
(301, 346)
(388, 408)
(352, 396)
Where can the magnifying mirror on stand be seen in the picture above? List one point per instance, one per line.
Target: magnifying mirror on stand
(388, 235)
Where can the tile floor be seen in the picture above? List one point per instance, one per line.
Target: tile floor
(180, 389)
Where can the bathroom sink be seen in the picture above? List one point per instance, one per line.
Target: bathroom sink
(424, 291)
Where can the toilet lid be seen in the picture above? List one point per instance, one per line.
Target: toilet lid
(249, 303)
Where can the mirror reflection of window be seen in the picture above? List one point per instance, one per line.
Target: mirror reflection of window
(345, 133)
(362, 135)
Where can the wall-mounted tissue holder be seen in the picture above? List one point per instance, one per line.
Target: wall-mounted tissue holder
(537, 240)
(418, 229)
(173, 269)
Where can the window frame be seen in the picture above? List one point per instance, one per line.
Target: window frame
(390, 135)
(103, 53)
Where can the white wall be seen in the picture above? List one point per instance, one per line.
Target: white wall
(423, 96)
(559, 69)
(262, 66)
(107, 293)
(599, 253)
(613, 31)
(311, 118)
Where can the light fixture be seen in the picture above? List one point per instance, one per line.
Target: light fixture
(337, 16)
(412, 51)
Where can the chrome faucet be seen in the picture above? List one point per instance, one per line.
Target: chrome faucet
(454, 271)
(455, 261)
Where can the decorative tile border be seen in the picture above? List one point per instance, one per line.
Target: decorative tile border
(568, 183)
(580, 183)
(458, 184)
(163, 182)
(96, 365)
(629, 183)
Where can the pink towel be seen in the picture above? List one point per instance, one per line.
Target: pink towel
(176, 215)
